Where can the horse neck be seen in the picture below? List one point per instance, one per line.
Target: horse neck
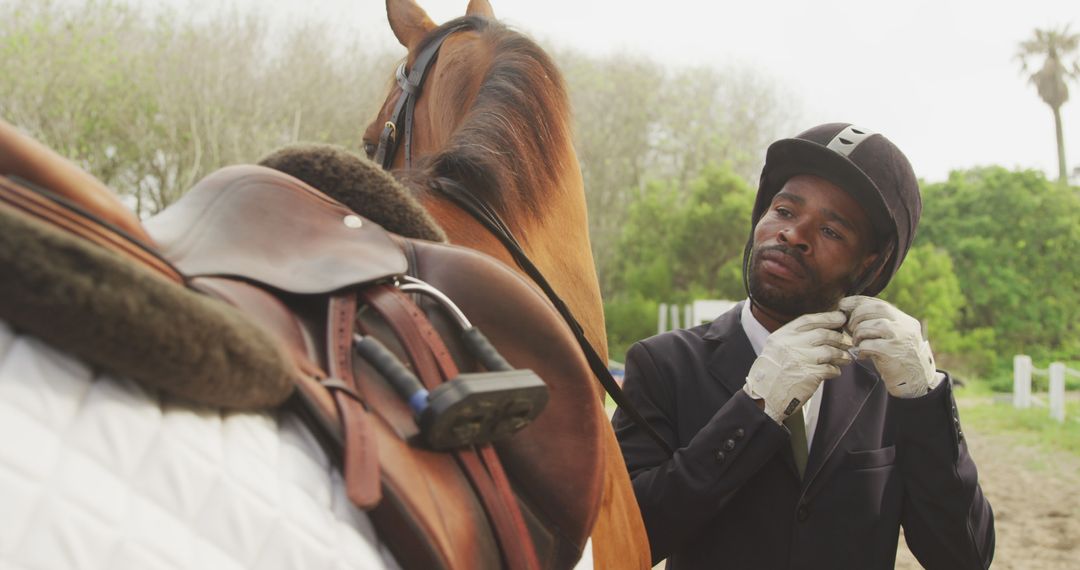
(540, 192)
(557, 243)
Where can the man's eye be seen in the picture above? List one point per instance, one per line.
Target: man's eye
(831, 234)
(783, 212)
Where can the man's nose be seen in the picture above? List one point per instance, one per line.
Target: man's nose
(795, 236)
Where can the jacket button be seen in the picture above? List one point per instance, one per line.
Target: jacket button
(802, 513)
(739, 433)
(729, 445)
(720, 455)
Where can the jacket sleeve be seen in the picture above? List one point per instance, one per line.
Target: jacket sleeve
(947, 521)
(679, 494)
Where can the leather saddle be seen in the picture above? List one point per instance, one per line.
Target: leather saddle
(318, 279)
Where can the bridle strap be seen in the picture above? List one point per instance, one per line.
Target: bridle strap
(494, 224)
(411, 83)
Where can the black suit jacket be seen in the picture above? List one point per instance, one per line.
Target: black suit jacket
(731, 497)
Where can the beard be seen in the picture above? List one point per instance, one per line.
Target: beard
(793, 299)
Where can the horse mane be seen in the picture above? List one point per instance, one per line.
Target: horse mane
(513, 141)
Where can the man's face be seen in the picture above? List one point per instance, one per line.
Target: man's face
(810, 247)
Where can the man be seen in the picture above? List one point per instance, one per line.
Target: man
(791, 452)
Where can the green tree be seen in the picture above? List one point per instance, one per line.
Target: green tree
(630, 317)
(678, 243)
(151, 103)
(1012, 237)
(636, 120)
(1061, 62)
(927, 287)
(615, 100)
(76, 78)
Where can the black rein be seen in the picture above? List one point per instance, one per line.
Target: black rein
(411, 83)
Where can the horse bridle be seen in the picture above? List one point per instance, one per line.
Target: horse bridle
(411, 82)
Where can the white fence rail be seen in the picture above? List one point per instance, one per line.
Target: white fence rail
(1024, 369)
(699, 312)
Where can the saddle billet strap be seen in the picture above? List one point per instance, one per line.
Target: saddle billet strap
(331, 406)
(481, 464)
(517, 547)
(69, 217)
(360, 464)
(523, 553)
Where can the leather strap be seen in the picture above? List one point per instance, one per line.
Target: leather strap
(401, 314)
(360, 463)
(434, 365)
(489, 219)
(482, 464)
(411, 82)
(68, 216)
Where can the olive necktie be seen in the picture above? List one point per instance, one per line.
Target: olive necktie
(797, 426)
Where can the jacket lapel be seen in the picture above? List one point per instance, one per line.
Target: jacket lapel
(732, 358)
(843, 398)
(733, 355)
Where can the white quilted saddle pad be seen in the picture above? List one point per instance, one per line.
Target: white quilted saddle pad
(97, 472)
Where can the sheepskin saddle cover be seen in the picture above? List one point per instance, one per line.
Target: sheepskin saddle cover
(125, 320)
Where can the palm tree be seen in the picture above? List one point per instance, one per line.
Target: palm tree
(1060, 63)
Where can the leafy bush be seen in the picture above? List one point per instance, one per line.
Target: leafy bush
(629, 319)
(927, 288)
(1012, 236)
(677, 244)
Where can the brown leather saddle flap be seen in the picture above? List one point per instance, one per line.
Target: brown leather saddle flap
(260, 224)
(555, 462)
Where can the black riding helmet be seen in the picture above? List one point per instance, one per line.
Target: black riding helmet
(866, 165)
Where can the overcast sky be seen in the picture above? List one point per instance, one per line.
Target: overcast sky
(938, 77)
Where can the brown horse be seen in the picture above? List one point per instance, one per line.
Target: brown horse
(493, 118)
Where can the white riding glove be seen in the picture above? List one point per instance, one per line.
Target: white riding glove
(893, 341)
(795, 360)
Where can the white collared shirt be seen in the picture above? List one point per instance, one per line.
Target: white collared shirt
(757, 334)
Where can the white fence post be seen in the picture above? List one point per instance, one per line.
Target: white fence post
(1057, 391)
(688, 317)
(661, 320)
(674, 316)
(1022, 381)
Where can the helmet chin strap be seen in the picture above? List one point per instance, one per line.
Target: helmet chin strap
(871, 273)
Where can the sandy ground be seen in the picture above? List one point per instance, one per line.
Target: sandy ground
(1036, 502)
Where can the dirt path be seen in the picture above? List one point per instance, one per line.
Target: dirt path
(1036, 502)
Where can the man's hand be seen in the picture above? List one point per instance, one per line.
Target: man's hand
(893, 341)
(796, 359)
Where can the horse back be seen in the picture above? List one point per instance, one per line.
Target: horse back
(266, 229)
